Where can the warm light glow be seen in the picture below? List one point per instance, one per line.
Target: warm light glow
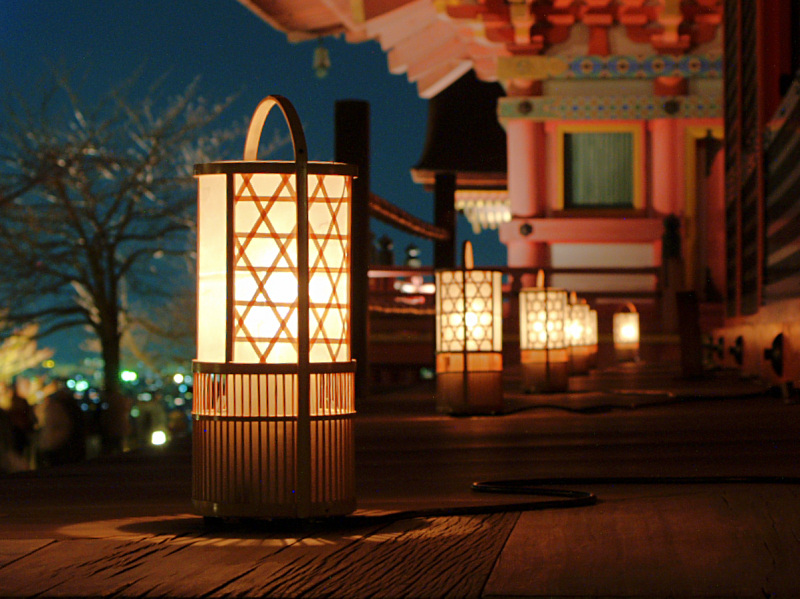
(542, 318)
(592, 336)
(468, 305)
(628, 333)
(577, 332)
(265, 279)
(158, 438)
(626, 328)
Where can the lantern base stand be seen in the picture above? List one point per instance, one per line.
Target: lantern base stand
(627, 352)
(270, 512)
(545, 371)
(478, 391)
(246, 458)
(579, 359)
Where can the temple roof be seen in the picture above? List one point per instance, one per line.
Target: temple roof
(435, 42)
(464, 136)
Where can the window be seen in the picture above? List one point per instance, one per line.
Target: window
(598, 170)
(601, 166)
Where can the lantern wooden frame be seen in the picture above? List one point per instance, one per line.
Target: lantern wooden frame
(469, 339)
(544, 353)
(273, 431)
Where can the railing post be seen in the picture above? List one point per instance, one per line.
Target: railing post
(444, 251)
(352, 147)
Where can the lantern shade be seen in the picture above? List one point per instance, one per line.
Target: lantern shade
(259, 217)
(274, 382)
(578, 336)
(469, 307)
(626, 335)
(543, 339)
(542, 318)
(469, 340)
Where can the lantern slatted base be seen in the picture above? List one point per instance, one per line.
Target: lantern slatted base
(579, 359)
(479, 392)
(545, 371)
(626, 352)
(245, 437)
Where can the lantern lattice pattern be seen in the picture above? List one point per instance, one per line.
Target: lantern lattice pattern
(467, 301)
(577, 334)
(265, 303)
(542, 316)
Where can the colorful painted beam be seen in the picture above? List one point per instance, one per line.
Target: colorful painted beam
(609, 67)
(546, 108)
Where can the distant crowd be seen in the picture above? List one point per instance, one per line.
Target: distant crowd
(42, 424)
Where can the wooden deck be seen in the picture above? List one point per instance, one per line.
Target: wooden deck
(123, 526)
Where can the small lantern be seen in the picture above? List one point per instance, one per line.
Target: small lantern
(274, 395)
(544, 353)
(469, 339)
(626, 334)
(578, 335)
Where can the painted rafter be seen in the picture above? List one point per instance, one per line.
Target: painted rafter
(532, 26)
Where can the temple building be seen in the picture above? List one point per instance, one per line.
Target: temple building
(636, 139)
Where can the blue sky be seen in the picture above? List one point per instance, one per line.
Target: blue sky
(233, 51)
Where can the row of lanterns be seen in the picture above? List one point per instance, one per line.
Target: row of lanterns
(274, 379)
(558, 337)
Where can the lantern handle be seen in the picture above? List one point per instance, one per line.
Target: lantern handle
(253, 138)
(469, 261)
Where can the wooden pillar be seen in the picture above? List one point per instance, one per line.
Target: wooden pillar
(444, 193)
(352, 147)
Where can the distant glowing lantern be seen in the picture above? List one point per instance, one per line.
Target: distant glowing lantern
(273, 383)
(469, 339)
(578, 334)
(626, 334)
(544, 353)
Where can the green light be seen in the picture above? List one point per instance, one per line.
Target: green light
(129, 376)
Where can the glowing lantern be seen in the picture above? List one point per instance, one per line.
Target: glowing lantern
(578, 335)
(626, 334)
(544, 353)
(274, 395)
(469, 339)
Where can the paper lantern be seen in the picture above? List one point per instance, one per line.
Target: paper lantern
(626, 334)
(469, 339)
(274, 394)
(578, 335)
(544, 353)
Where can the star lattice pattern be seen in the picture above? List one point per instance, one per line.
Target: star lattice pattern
(465, 306)
(542, 316)
(265, 268)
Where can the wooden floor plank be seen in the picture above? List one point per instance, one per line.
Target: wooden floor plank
(12, 550)
(659, 542)
(437, 557)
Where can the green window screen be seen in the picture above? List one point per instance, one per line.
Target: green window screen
(598, 170)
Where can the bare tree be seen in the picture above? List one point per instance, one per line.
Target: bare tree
(19, 352)
(97, 211)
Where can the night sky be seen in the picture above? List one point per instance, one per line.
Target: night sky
(233, 51)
